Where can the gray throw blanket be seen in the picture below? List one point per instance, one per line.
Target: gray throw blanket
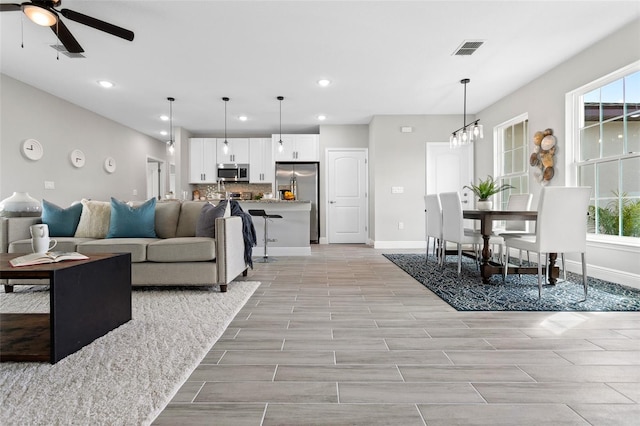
(248, 231)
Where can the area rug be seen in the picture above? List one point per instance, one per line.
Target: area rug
(128, 376)
(467, 292)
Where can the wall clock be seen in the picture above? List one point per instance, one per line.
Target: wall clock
(110, 165)
(32, 149)
(77, 158)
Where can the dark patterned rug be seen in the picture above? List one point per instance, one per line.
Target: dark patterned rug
(467, 293)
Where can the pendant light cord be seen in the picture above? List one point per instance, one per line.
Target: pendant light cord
(280, 98)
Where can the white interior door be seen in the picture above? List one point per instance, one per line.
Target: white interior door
(155, 178)
(448, 170)
(347, 196)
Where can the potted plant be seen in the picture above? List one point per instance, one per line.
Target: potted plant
(485, 189)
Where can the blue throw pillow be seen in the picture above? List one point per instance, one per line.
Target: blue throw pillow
(132, 222)
(61, 222)
(206, 226)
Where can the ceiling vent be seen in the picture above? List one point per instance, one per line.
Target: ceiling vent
(60, 48)
(468, 47)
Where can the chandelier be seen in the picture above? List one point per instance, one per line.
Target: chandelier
(468, 132)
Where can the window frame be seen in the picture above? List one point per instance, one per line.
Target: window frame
(498, 154)
(574, 116)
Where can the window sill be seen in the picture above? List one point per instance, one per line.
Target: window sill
(611, 240)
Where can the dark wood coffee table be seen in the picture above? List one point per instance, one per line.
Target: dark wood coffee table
(88, 298)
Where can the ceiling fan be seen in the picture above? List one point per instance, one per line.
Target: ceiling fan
(43, 12)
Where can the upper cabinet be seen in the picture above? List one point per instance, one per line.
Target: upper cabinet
(296, 147)
(261, 165)
(202, 160)
(237, 151)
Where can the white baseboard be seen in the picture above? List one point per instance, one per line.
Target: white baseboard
(281, 251)
(323, 240)
(399, 245)
(612, 275)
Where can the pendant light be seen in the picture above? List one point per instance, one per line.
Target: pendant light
(280, 144)
(466, 134)
(225, 148)
(170, 142)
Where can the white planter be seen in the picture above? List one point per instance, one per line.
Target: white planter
(484, 205)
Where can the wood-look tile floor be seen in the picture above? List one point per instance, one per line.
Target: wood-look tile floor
(345, 337)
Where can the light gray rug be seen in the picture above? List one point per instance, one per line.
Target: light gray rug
(128, 376)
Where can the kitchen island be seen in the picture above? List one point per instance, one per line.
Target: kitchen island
(288, 236)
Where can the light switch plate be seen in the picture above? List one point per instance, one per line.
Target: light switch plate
(397, 189)
(48, 184)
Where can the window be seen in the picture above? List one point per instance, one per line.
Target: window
(511, 157)
(606, 152)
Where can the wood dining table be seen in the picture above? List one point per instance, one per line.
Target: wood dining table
(487, 266)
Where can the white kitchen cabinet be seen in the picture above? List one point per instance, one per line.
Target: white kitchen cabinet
(296, 148)
(202, 160)
(238, 151)
(261, 164)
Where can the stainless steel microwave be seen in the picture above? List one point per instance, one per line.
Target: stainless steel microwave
(232, 172)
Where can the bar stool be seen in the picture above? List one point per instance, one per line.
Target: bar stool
(266, 217)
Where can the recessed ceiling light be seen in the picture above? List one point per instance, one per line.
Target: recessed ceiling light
(243, 118)
(106, 84)
(164, 133)
(324, 82)
(164, 118)
(322, 117)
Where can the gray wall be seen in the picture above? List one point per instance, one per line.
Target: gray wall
(398, 159)
(29, 113)
(544, 101)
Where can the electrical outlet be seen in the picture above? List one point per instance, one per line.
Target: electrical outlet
(400, 225)
(135, 192)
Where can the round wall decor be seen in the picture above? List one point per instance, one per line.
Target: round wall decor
(77, 158)
(110, 164)
(32, 149)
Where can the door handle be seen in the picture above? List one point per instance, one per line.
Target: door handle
(332, 202)
(464, 202)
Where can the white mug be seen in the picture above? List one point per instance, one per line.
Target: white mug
(40, 241)
(40, 230)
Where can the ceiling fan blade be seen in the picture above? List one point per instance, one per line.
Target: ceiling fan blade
(98, 24)
(68, 40)
(10, 7)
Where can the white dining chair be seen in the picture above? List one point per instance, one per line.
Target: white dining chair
(453, 229)
(433, 225)
(561, 227)
(516, 202)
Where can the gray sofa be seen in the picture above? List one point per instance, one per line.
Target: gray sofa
(176, 257)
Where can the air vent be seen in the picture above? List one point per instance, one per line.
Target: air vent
(468, 47)
(60, 48)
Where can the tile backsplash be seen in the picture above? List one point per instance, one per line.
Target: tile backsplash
(254, 188)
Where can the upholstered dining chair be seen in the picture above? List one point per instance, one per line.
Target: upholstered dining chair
(515, 202)
(561, 227)
(453, 229)
(433, 225)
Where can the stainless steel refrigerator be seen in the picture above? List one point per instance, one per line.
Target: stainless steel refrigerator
(303, 180)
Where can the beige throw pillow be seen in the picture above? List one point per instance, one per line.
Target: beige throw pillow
(94, 220)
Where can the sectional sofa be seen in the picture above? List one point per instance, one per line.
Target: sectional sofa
(175, 256)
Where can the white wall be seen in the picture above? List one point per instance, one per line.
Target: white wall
(29, 113)
(544, 100)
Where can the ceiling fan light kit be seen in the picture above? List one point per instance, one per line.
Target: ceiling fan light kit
(43, 12)
(40, 15)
